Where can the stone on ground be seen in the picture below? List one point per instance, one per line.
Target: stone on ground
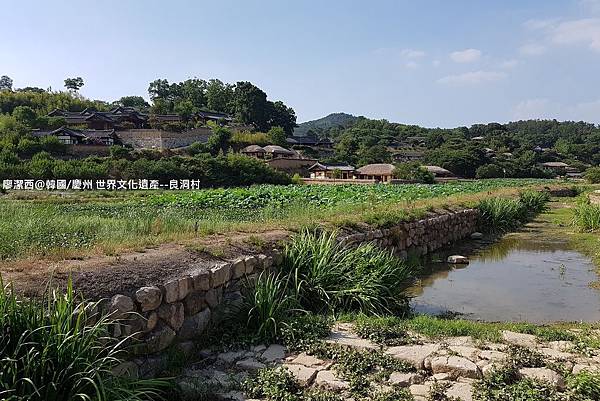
(249, 364)
(231, 356)
(308, 360)
(303, 374)
(413, 354)
(492, 355)
(456, 366)
(405, 379)
(327, 379)
(544, 374)
(462, 391)
(274, 353)
(343, 335)
(579, 367)
(466, 352)
(420, 391)
(523, 340)
(476, 235)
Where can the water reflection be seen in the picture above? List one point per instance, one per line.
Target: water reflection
(522, 277)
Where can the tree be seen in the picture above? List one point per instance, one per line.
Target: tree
(219, 96)
(25, 115)
(413, 171)
(219, 140)
(6, 83)
(373, 154)
(282, 116)
(592, 175)
(133, 101)
(250, 105)
(277, 136)
(74, 84)
(159, 88)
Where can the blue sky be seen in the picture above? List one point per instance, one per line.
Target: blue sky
(435, 63)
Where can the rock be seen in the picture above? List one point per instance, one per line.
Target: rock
(160, 338)
(544, 374)
(170, 291)
(220, 274)
(462, 391)
(231, 356)
(120, 305)
(456, 366)
(274, 352)
(327, 379)
(564, 346)
(277, 257)
(492, 355)
(438, 377)
(201, 281)
(523, 340)
(308, 360)
(194, 302)
(303, 374)
(214, 297)
(249, 364)
(405, 379)
(343, 335)
(458, 259)
(578, 368)
(184, 286)
(232, 396)
(555, 354)
(250, 262)
(476, 235)
(466, 352)
(149, 298)
(462, 341)
(414, 354)
(172, 314)
(420, 391)
(151, 321)
(126, 369)
(259, 348)
(195, 325)
(238, 268)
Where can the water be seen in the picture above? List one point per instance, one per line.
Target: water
(533, 276)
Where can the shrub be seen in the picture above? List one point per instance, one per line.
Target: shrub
(413, 171)
(52, 351)
(585, 384)
(490, 171)
(274, 384)
(592, 175)
(587, 216)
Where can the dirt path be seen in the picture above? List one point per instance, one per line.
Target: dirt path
(100, 275)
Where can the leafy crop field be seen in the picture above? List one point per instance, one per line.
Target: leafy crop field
(65, 227)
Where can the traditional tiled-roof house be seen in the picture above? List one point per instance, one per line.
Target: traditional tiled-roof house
(332, 171)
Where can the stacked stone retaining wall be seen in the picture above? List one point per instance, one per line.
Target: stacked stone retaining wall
(180, 310)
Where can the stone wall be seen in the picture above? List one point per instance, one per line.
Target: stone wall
(180, 310)
(158, 139)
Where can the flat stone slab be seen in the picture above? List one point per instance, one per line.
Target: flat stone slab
(555, 354)
(456, 366)
(327, 379)
(465, 351)
(462, 391)
(493, 355)
(348, 338)
(544, 374)
(274, 352)
(231, 356)
(308, 360)
(303, 374)
(249, 364)
(405, 379)
(523, 340)
(413, 354)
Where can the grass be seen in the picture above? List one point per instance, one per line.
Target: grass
(587, 216)
(60, 349)
(504, 214)
(74, 224)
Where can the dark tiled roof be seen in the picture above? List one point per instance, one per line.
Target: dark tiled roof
(331, 167)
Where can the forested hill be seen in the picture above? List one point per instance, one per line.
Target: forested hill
(334, 120)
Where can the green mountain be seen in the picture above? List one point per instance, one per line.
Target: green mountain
(341, 120)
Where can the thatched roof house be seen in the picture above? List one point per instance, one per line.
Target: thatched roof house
(439, 171)
(380, 172)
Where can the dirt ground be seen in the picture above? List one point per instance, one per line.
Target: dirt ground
(101, 276)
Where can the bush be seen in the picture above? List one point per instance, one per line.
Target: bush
(52, 351)
(490, 171)
(585, 384)
(413, 171)
(587, 216)
(592, 175)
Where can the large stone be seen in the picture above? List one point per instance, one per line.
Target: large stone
(327, 379)
(214, 297)
(151, 321)
(160, 338)
(304, 375)
(250, 262)
(194, 302)
(127, 369)
(520, 339)
(456, 366)
(220, 274)
(466, 352)
(172, 314)
(308, 360)
(458, 259)
(184, 286)
(544, 374)
(420, 392)
(195, 325)
(149, 298)
(274, 352)
(231, 356)
(578, 368)
(491, 355)
(249, 364)
(405, 379)
(413, 354)
(239, 268)
(343, 335)
(120, 305)
(171, 291)
(555, 354)
(461, 391)
(201, 281)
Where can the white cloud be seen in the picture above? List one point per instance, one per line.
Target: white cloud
(465, 56)
(578, 32)
(509, 64)
(472, 78)
(436, 63)
(412, 65)
(532, 49)
(534, 109)
(412, 54)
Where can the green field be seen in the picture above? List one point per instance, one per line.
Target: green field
(49, 224)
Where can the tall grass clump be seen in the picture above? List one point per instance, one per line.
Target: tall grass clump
(59, 349)
(504, 214)
(587, 216)
(327, 276)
